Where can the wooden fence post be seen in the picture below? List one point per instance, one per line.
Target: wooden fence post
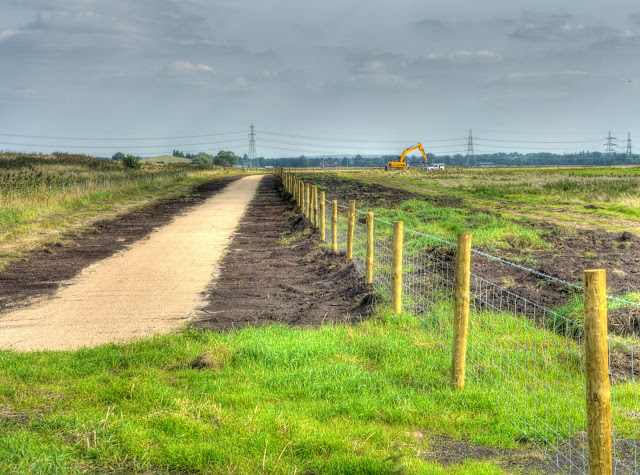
(368, 274)
(307, 202)
(350, 228)
(598, 386)
(322, 217)
(300, 196)
(461, 310)
(396, 267)
(294, 186)
(316, 221)
(334, 227)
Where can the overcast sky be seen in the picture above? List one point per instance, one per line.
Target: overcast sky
(379, 74)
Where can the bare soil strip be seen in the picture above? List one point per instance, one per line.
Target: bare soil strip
(150, 288)
(41, 272)
(265, 279)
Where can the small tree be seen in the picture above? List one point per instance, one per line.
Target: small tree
(202, 159)
(131, 161)
(225, 159)
(303, 161)
(118, 156)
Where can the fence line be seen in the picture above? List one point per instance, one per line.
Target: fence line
(531, 358)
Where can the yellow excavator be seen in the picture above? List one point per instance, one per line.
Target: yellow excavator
(401, 164)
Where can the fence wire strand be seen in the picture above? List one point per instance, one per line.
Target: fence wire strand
(527, 355)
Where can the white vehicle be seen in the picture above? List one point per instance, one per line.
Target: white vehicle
(435, 166)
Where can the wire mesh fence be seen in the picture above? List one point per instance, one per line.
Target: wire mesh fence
(522, 351)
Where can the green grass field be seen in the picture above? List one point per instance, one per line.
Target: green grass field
(601, 197)
(41, 197)
(338, 399)
(165, 159)
(369, 398)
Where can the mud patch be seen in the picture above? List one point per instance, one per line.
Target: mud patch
(267, 279)
(372, 194)
(40, 273)
(448, 451)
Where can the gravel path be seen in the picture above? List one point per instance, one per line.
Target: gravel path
(152, 287)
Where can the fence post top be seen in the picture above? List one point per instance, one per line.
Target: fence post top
(595, 271)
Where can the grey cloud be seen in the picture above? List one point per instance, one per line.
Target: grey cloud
(329, 62)
(543, 27)
(430, 25)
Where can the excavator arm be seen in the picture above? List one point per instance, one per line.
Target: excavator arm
(401, 163)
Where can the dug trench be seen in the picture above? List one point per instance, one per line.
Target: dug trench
(42, 272)
(276, 271)
(565, 256)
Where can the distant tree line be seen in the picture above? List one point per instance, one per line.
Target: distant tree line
(223, 158)
(229, 159)
(491, 159)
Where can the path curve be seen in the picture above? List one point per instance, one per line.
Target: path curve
(152, 287)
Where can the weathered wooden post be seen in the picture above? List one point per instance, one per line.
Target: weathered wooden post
(368, 274)
(300, 196)
(294, 186)
(322, 217)
(396, 267)
(316, 221)
(350, 228)
(307, 202)
(334, 227)
(461, 310)
(598, 386)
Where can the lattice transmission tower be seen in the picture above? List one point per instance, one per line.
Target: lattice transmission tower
(612, 144)
(471, 156)
(252, 146)
(629, 147)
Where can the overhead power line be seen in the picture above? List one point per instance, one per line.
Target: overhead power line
(536, 141)
(529, 132)
(528, 148)
(354, 140)
(122, 146)
(119, 139)
(361, 144)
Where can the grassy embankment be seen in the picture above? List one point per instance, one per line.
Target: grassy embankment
(338, 399)
(42, 197)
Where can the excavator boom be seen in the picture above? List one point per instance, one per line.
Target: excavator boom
(401, 163)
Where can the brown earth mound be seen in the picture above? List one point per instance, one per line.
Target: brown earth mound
(275, 271)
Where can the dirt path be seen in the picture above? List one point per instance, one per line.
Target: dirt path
(152, 287)
(266, 279)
